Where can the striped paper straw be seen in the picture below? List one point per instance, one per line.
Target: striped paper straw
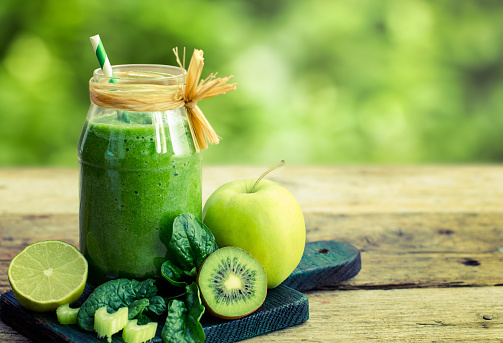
(105, 65)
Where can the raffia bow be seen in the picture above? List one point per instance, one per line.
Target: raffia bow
(148, 97)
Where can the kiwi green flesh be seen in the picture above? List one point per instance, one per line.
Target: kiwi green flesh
(232, 282)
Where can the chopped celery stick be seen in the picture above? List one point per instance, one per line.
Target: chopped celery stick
(66, 314)
(106, 324)
(134, 333)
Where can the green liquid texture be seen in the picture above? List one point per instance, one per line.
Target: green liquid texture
(130, 194)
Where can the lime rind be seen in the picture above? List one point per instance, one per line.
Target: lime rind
(48, 274)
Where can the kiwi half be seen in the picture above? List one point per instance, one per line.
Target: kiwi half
(232, 282)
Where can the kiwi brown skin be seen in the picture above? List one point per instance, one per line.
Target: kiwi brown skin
(209, 310)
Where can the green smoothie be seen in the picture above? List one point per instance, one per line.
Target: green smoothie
(135, 178)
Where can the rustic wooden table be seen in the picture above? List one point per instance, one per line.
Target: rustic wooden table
(431, 240)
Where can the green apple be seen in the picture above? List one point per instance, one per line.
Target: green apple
(262, 218)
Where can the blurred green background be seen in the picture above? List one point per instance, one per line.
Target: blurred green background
(319, 82)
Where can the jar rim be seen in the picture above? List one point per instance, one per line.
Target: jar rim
(151, 72)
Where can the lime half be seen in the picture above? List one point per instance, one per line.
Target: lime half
(48, 274)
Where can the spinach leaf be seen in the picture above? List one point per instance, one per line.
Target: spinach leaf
(143, 319)
(119, 293)
(146, 310)
(175, 275)
(191, 242)
(182, 323)
(157, 305)
(137, 307)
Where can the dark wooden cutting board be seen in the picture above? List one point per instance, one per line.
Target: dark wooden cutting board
(323, 263)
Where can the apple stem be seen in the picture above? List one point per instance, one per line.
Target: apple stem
(267, 172)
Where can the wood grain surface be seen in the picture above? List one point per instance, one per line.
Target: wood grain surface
(431, 241)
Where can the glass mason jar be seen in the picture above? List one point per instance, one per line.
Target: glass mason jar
(138, 171)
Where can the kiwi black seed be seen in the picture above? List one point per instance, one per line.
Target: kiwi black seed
(232, 282)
